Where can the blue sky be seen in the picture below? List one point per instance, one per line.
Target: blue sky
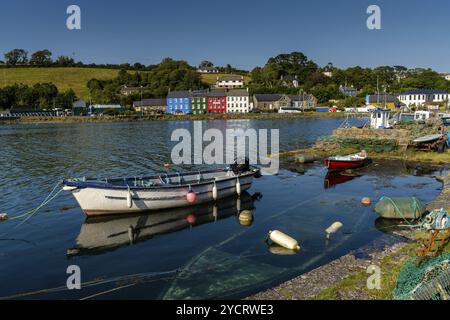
(245, 33)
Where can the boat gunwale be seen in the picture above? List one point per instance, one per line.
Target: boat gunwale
(106, 185)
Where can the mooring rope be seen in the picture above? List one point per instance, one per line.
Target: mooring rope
(144, 277)
(45, 202)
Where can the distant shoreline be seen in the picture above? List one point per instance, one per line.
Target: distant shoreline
(225, 116)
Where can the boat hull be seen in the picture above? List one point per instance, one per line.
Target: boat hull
(341, 165)
(96, 201)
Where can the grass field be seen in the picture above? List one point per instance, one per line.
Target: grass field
(63, 78)
(70, 78)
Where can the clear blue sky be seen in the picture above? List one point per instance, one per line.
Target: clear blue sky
(244, 33)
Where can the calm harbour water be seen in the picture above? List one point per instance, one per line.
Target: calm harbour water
(216, 257)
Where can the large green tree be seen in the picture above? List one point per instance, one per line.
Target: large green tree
(41, 58)
(16, 57)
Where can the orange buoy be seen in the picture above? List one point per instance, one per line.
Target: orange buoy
(366, 201)
(191, 197)
(166, 165)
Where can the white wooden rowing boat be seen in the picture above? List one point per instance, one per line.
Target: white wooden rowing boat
(140, 194)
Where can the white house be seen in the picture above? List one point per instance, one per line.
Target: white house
(446, 76)
(238, 101)
(420, 98)
(230, 82)
(207, 70)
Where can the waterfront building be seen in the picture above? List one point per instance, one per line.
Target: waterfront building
(179, 102)
(150, 106)
(271, 101)
(199, 104)
(217, 101)
(238, 101)
(303, 101)
(275, 101)
(421, 98)
(230, 82)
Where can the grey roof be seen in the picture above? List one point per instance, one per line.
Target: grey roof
(79, 104)
(299, 97)
(231, 77)
(425, 91)
(199, 93)
(268, 96)
(179, 94)
(217, 93)
(150, 102)
(237, 93)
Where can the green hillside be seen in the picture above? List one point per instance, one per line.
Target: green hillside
(63, 78)
(70, 78)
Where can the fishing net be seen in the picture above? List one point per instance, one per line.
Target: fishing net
(217, 274)
(429, 281)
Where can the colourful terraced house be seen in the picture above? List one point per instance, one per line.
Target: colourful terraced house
(199, 104)
(179, 102)
(217, 101)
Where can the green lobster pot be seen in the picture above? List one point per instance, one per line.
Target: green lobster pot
(400, 208)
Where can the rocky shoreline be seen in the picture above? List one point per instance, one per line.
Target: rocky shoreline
(328, 280)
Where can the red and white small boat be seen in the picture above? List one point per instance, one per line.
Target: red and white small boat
(353, 161)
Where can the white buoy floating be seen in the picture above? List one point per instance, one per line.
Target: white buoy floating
(129, 199)
(283, 240)
(238, 187)
(3, 216)
(333, 228)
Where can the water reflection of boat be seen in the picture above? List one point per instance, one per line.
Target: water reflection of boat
(334, 178)
(99, 234)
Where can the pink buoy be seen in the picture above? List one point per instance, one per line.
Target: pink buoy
(191, 197)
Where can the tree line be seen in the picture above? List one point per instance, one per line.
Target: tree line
(41, 96)
(323, 82)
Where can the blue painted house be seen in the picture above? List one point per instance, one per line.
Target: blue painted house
(179, 102)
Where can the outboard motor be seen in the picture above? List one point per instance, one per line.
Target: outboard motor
(239, 168)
